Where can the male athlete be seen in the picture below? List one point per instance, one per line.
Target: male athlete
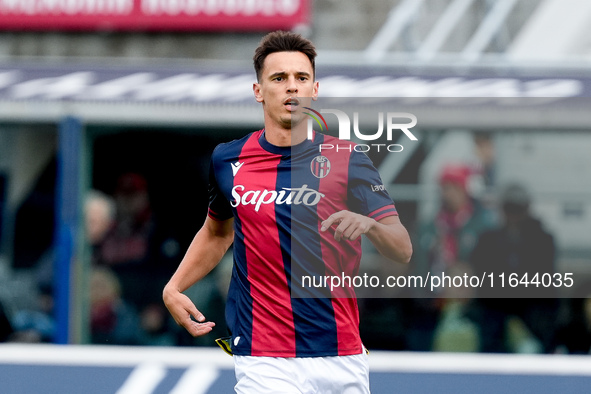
(290, 210)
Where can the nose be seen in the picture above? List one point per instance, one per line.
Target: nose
(291, 85)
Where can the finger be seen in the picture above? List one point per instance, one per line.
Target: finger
(191, 309)
(199, 329)
(361, 228)
(341, 229)
(354, 229)
(195, 313)
(335, 218)
(325, 225)
(185, 312)
(350, 231)
(356, 234)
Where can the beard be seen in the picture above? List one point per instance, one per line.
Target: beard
(293, 121)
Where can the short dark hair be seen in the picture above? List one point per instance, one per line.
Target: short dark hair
(282, 41)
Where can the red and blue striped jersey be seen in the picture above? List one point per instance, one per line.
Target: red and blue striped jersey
(278, 196)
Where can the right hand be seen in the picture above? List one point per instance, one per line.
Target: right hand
(182, 309)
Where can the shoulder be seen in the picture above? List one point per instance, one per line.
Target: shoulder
(535, 226)
(232, 148)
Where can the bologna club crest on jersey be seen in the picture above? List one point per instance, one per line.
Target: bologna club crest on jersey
(320, 166)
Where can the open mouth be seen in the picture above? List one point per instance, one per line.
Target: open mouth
(291, 103)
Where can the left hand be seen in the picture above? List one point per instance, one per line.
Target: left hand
(350, 225)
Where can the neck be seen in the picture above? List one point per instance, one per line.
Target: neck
(280, 136)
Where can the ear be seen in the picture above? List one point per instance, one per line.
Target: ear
(315, 91)
(256, 88)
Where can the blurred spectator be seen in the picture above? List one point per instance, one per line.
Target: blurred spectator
(448, 239)
(99, 213)
(128, 247)
(140, 254)
(444, 246)
(99, 210)
(112, 320)
(520, 246)
(127, 243)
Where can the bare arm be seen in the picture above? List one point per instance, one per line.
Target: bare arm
(388, 235)
(205, 252)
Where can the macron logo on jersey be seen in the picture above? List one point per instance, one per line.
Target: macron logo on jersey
(235, 167)
(288, 195)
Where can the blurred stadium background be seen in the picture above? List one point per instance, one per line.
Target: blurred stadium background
(122, 102)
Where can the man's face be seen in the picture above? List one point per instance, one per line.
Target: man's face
(286, 80)
(98, 221)
(453, 196)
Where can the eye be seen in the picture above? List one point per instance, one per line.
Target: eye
(278, 79)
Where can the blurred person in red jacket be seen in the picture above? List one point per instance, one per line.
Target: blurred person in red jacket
(445, 244)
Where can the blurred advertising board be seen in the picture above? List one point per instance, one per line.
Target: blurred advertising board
(162, 15)
(205, 84)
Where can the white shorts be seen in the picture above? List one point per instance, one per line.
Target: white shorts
(302, 375)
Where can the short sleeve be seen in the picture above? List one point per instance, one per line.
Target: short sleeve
(367, 194)
(219, 206)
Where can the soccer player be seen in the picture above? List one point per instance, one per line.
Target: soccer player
(289, 209)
